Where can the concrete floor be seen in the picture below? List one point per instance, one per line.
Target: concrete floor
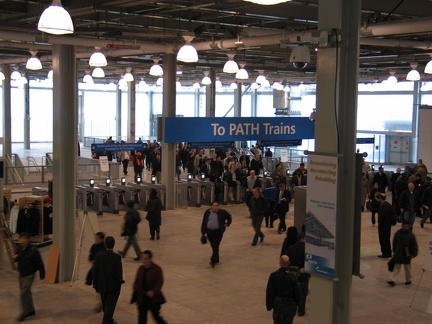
(231, 293)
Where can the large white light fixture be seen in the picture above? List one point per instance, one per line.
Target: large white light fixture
(33, 62)
(196, 86)
(23, 80)
(230, 66)
(187, 53)
(98, 59)
(159, 82)
(218, 84)
(242, 74)
(88, 78)
(260, 78)
(254, 86)
(156, 69)
(56, 20)
(50, 75)
(98, 73)
(392, 79)
(428, 68)
(206, 80)
(128, 76)
(267, 2)
(413, 75)
(16, 75)
(233, 86)
(2, 76)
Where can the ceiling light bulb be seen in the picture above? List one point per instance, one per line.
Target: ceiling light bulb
(233, 86)
(98, 73)
(87, 78)
(242, 74)
(187, 53)
(413, 75)
(230, 66)
(156, 70)
(56, 20)
(254, 86)
(159, 82)
(128, 76)
(15, 75)
(196, 86)
(260, 78)
(218, 84)
(267, 2)
(392, 79)
(33, 62)
(98, 59)
(206, 80)
(428, 68)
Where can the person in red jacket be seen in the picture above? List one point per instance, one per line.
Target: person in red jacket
(147, 287)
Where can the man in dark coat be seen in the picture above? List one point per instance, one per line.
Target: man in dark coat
(147, 287)
(409, 203)
(29, 261)
(213, 225)
(154, 214)
(405, 248)
(426, 202)
(282, 293)
(258, 208)
(130, 228)
(381, 178)
(108, 278)
(282, 206)
(386, 215)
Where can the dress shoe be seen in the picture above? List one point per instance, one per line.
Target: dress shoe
(30, 314)
(421, 225)
(212, 264)
(254, 243)
(261, 239)
(152, 238)
(408, 282)
(384, 256)
(157, 236)
(391, 283)
(21, 318)
(301, 313)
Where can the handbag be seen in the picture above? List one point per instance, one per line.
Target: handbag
(391, 265)
(203, 239)
(368, 205)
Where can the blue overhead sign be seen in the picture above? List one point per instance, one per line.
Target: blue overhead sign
(224, 129)
(117, 147)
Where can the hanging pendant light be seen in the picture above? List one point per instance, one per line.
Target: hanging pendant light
(33, 62)
(98, 73)
(16, 75)
(267, 2)
(233, 86)
(56, 20)
(206, 80)
(428, 67)
(50, 75)
(260, 78)
(254, 86)
(218, 84)
(156, 69)
(88, 78)
(159, 82)
(187, 53)
(98, 59)
(230, 65)
(242, 74)
(413, 75)
(392, 79)
(128, 76)
(2, 76)
(196, 86)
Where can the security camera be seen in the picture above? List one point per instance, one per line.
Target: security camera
(300, 56)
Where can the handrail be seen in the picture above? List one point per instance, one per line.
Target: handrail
(15, 174)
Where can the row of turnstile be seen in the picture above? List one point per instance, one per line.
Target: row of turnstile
(113, 198)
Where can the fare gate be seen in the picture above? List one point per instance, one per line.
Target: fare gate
(111, 199)
(207, 192)
(94, 198)
(133, 193)
(140, 194)
(160, 189)
(181, 194)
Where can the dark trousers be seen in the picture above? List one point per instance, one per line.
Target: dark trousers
(154, 230)
(269, 217)
(284, 311)
(25, 283)
(384, 233)
(109, 302)
(154, 309)
(282, 224)
(256, 224)
(214, 237)
(132, 240)
(373, 219)
(125, 164)
(303, 280)
(427, 214)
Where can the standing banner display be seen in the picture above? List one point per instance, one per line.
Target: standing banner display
(103, 162)
(320, 220)
(284, 155)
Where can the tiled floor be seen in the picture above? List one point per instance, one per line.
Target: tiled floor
(231, 293)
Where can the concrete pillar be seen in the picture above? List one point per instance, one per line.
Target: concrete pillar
(119, 113)
(413, 147)
(169, 110)
(65, 148)
(26, 116)
(335, 132)
(254, 100)
(196, 103)
(7, 117)
(131, 111)
(238, 100)
(211, 96)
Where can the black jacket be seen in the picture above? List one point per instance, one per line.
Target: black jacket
(404, 246)
(224, 219)
(29, 261)
(132, 219)
(404, 201)
(154, 211)
(107, 272)
(282, 284)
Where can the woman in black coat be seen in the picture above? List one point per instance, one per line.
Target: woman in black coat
(154, 214)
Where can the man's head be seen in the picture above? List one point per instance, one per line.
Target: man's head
(256, 192)
(405, 225)
(109, 242)
(130, 203)
(252, 173)
(146, 258)
(411, 186)
(284, 261)
(302, 166)
(398, 170)
(215, 206)
(24, 239)
(99, 237)
(282, 186)
(381, 169)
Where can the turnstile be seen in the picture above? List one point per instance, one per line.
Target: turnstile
(181, 194)
(238, 192)
(94, 198)
(140, 194)
(111, 198)
(207, 192)
(134, 193)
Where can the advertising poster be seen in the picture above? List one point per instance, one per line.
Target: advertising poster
(320, 220)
